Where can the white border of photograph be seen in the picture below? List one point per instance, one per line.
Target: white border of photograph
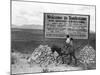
(5, 37)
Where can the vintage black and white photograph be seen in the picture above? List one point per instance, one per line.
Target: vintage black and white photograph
(52, 37)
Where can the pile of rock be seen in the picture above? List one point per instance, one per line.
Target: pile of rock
(87, 55)
(43, 56)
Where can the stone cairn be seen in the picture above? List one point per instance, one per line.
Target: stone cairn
(43, 56)
(87, 55)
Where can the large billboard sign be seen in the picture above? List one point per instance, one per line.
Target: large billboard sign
(58, 25)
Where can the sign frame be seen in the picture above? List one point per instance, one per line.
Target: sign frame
(66, 14)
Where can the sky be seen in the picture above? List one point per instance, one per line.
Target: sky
(31, 13)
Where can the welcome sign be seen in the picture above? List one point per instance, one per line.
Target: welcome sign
(58, 25)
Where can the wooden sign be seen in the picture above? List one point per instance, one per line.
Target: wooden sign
(58, 25)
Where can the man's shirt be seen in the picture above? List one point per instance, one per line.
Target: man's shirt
(69, 41)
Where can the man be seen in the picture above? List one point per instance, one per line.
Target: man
(70, 49)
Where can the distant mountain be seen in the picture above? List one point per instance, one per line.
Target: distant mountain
(34, 27)
(28, 26)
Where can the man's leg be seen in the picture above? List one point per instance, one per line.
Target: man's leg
(70, 59)
(74, 58)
